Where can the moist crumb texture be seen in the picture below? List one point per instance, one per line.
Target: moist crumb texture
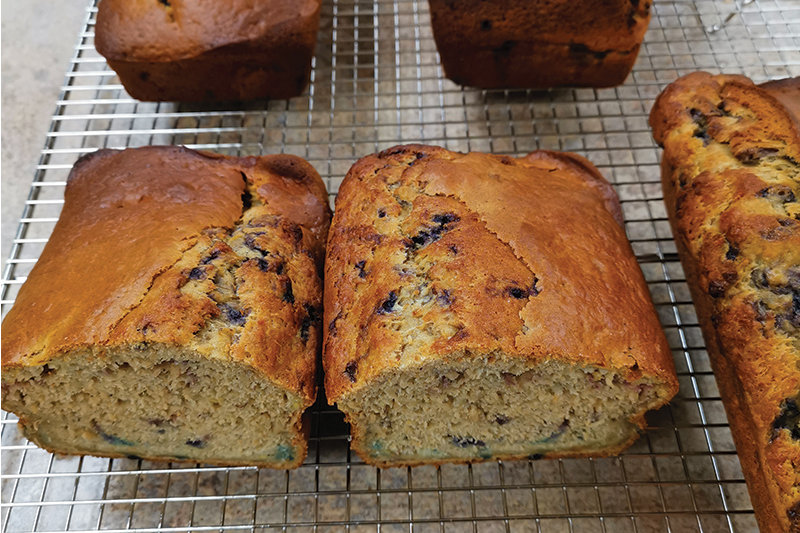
(730, 171)
(512, 44)
(206, 50)
(481, 307)
(156, 324)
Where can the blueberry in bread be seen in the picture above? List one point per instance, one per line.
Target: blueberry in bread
(537, 43)
(731, 179)
(175, 312)
(481, 307)
(200, 50)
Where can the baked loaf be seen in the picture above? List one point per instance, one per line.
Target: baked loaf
(731, 175)
(538, 44)
(481, 307)
(198, 50)
(174, 313)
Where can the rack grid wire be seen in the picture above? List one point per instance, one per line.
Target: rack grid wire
(376, 82)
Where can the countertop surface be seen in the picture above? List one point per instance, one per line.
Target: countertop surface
(38, 39)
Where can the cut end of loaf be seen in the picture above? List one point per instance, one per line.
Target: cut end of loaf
(496, 408)
(157, 402)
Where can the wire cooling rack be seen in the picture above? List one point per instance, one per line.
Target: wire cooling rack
(376, 82)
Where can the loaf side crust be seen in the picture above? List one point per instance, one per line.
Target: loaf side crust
(730, 175)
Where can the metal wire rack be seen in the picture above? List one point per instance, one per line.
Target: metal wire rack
(377, 82)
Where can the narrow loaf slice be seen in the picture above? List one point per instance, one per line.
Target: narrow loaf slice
(482, 307)
(731, 178)
(174, 313)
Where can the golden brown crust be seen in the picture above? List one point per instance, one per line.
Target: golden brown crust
(146, 222)
(206, 50)
(729, 172)
(500, 222)
(507, 43)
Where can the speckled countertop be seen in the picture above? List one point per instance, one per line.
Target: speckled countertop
(38, 38)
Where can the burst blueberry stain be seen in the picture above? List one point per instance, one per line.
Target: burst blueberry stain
(429, 234)
(197, 273)
(196, 443)
(388, 304)
(360, 267)
(350, 370)
(288, 294)
(788, 418)
(465, 442)
(234, 316)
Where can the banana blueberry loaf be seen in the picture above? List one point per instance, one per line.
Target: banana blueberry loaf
(481, 307)
(731, 178)
(209, 50)
(175, 312)
(538, 44)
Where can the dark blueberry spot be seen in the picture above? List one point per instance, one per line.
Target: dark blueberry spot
(760, 310)
(793, 513)
(288, 295)
(144, 76)
(758, 278)
(210, 257)
(429, 234)
(578, 48)
(161, 431)
(752, 155)
(536, 456)
(247, 200)
(47, 370)
(464, 442)
(419, 155)
(250, 242)
(388, 304)
(332, 330)
(446, 218)
(789, 419)
(780, 192)
(234, 316)
(360, 267)
(196, 443)
(296, 232)
(312, 317)
(165, 3)
(486, 25)
(732, 253)
(506, 47)
(263, 264)
(350, 370)
(516, 292)
(445, 298)
(716, 288)
(715, 320)
(502, 419)
(381, 213)
(197, 273)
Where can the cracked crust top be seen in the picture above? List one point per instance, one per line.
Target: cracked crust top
(155, 243)
(538, 238)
